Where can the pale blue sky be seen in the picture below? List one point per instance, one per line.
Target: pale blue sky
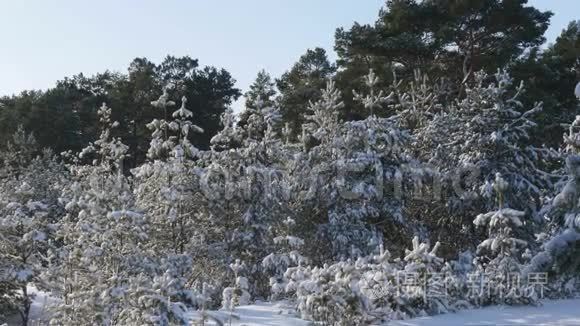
(44, 41)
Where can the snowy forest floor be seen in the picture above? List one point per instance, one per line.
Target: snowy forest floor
(551, 312)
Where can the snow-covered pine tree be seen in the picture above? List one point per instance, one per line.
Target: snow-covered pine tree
(499, 256)
(466, 142)
(229, 137)
(287, 255)
(260, 96)
(167, 184)
(18, 153)
(29, 212)
(99, 236)
(238, 294)
(161, 297)
(485, 133)
(426, 293)
(265, 194)
(113, 267)
(24, 229)
(371, 289)
(315, 171)
(354, 170)
(561, 241)
(170, 189)
(566, 206)
(329, 294)
(246, 191)
(416, 104)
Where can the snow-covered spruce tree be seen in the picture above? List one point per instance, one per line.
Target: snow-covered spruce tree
(386, 176)
(499, 256)
(264, 123)
(28, 213)
(223, 190)
(412, 105)
(566, 210)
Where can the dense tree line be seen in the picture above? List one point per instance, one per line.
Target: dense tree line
(449, 41)
(417, 152)
(318, 221)
(446, 40)
(65, 117)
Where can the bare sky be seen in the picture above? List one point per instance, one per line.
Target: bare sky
(44, 41)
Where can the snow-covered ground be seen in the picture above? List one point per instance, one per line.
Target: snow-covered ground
(551, 313)
(38, 309)
(258, 314)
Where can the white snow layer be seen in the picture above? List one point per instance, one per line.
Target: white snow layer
(38, 309)
(258, 314)
(551, 313)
